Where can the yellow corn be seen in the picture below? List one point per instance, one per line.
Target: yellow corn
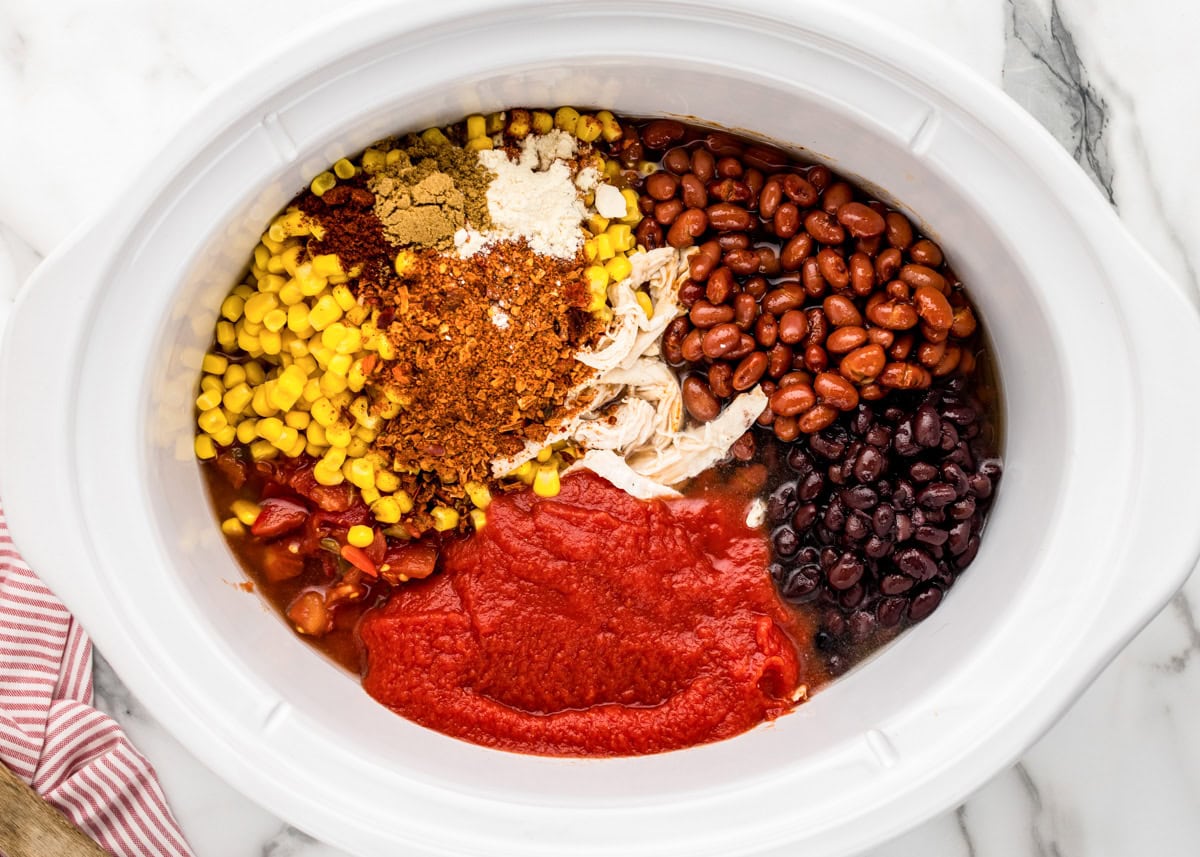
(360, 472)
(597, 279)
(478, 494)
(618, 268)
(233, 376)
(589, 249)
(214, 364)
(386, 481)
(298, 420)
(360, 536)
(205, 448)
(546, 483)
(321, 183)
(226, 436)
(231, 307)
(255, 374)
(333, 459)
(343, 169)
(646, 304)
(478, 144)
(476, 127)
(238, 398)
(495, 123)
(212, 420)
(263, 450)
(386, 510)
(542, 122)
(328, 475)
(405, 502)
(588, 128)
(444, 518)
(621, 236)
(227, 336)
(432, 136)
(270, 342)
(524, 473)
(604, 247)
(233, 527)
(357, 447)
(610, 128)
(247, 431)
(325, 313)
(209, 399)
(373, 161)
(478, 518)
(520, 124)
(566, 118)
(245, 511)
(631, 206)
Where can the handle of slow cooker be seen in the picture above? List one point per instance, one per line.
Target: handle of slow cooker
(1163, 540)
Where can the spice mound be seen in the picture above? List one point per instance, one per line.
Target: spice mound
(592, 624)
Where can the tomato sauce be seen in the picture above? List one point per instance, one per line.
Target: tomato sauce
(593, 624)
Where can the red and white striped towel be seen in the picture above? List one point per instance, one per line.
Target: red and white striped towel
(74, 756)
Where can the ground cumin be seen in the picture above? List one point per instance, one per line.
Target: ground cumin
(428, 193)
(485, 358)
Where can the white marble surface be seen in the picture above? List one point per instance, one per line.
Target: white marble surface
(89, 88)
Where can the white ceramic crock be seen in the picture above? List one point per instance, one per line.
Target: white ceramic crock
(1093, 529)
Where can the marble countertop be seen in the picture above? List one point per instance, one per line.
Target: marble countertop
(88, 90)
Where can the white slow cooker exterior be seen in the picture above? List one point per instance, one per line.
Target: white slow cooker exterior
(1093, 529)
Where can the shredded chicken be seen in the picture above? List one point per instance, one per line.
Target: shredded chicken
(633, 427)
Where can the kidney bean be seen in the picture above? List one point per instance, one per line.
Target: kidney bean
(786, 221)
(881, 336)
(917, 276)
(661, 185)
(729, 168)
(799, 191)
(893, 315)
(722, 144)
(905, 376)
(966, 365)
(950, 361)
(819, 176)
(770, 198)
(704, 165)
(964, 323)
(815, 358)
(745, 311)
(701, 265)
(863, 365)
(841, 311)
(748, 372)
(727, 217)
(745, 345)
(862, 274)
(692, 191)
(766, 158)
(793, 325)
(818, 326)
(780, 300)
(925, 252)
(795, 251)
(705, 315)
(787, 429)
(817, 418)
(754, 180)
(887, 264)
(833, 268)
(756, 287)
(686, 228)
(793, 378)
(899, 230)
(742, 262)
(929, 354)
(720, 379)
(720, 286)
(661, 133)
(672, 340)
(810, 275)
(646, 205)
(836, 391)
(860, 220)
(902, 347)
(824, 228)
(730, 190)
(649, 234)
(792, 401)
(846, 339)
(666, 212)
(934, 334)
(766, 330)
(690, 292)
(869, 247)
(692, 347)
(835, 196)
(766, 418)
(678, 161)
(846, 572)
(898, 290)
(768, 261)
(699, 400)
(733, 241)
(779, 360)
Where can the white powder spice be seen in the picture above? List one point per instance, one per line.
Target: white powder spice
(532, 198)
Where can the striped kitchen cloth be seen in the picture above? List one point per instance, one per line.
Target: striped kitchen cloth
(74, 756)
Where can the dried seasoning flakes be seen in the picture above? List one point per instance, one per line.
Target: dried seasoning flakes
(485, 357)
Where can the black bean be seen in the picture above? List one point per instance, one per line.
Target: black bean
(980, 485)
(963, 509)
(878, 436)
(877, 548)
(927, 426)
(869, 465)
(852, 597)
(862, 625)
(903, 496)
(902, 440)
(862, 420)
(960, 534)
(845, 572)
(957, 477)
(828, 557)
(799, 460)
(781, 503)
(858, 526)
(915, 563)
(804, 517)
(801, 583)
(923, 471)
(924, 603)
(810, 487)
(936, 495)
(991, 468)
(904, 527)
(931, 535)
(835, 517)
(968, 555)
(890, 611)
(827, 445)
(786, 541)
(961, 414)
(949, 438)
(860, 497)
(895, 584)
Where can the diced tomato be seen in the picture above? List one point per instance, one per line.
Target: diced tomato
(278, 516)
(356, 514)
(331, 498)
(378, 548)
(358, 558)
(414, 560)
(233, 468)
(309, 614)
(280, 563)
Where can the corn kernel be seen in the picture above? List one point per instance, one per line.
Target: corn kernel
(205, 448)
(333, 459)
(633, 215)
(370, 495)
(478, 494)
(212, 420)
(621, 236)
(343, 169)
(231, 307)
(247, 431)
(566, 118)
(246, 511)
(373, 160)
(233, 376)
(338, 435)
(386, 510)
(476, 127)
(405, 501)
(524, 473)
(360, 536)
(255, 374)
(519, 124)
(588, 128)
(263, 450)
(478, 518)
(604, 247)
(238, 398)
(270, 342)
(646, 304)
(326, 265)
(357, 447)
(610, 128)
(325, 313)
(214, 364)
(328, 476)
(360, 472)
(618, 268)
(297, 420)
(542, 122)
(386, 481)
(270, 428)
(589, 249)
(432, 136)
(321, 183)
(226, 436)
(597, 278)
(478, 144)
(259, 305)
(233, 527)
(275, 320)
(546, 483)
(227, 336)
(208, 400)
(444, 518)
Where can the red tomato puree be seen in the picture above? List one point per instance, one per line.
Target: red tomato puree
(592, 624)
